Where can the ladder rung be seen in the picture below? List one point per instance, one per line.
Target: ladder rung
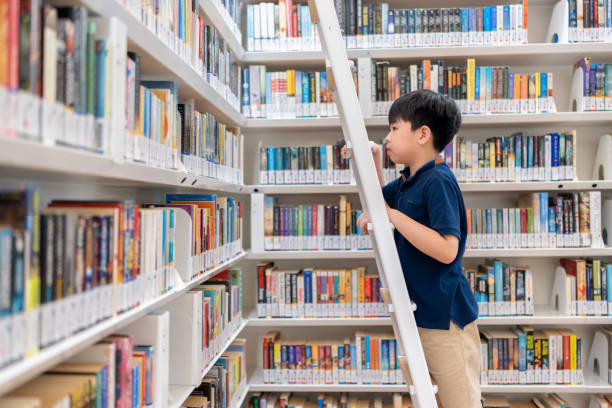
(371, 226)
(314, 16)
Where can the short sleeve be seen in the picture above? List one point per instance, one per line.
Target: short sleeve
(444, 206)
(390, 192)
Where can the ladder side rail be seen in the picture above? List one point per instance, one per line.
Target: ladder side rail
(331, 42)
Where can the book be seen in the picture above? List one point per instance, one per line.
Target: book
(583, 28)
(595, 85)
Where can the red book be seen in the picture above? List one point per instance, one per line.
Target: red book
(523, 220)
(366, 292)
(266, 354)
(201, 34)
(261, 285)
(566, 353)
(123, 350)
(314, 220)
(294, 19)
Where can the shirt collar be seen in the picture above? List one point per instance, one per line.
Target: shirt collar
(407, 177)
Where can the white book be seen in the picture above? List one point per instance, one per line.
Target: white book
(114, 32)
(595, 219)
(186, 356)
(154, 330)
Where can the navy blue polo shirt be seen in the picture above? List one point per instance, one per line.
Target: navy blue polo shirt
(432, 197)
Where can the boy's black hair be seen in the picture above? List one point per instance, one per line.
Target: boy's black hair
(427, 108)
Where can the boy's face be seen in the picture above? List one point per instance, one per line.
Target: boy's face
(402, 141)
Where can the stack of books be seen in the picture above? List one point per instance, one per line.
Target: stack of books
(526, 356)
(287, 27)
(312, 227)
(569, 220)
(286, 94)
(218, 227)
(304, 165)
(286, 399)
(501, 290)
(367, 358)
(225, 380)
(587, 287)
(596, 85)
(314, 293)
(484, 89)
(589, 21)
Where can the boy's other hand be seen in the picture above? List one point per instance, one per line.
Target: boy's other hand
(363, 221)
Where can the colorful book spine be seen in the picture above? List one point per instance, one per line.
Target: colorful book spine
(497, 88)
(589, 21)
(540, 221)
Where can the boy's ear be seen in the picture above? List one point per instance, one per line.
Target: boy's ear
(424, 135)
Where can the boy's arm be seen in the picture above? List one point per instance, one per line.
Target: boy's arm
(442, 248)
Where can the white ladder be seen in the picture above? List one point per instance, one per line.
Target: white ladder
(394, 292)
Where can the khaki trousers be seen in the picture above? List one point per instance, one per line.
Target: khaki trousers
(453, 359)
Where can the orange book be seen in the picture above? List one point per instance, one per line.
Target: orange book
(525, 14)
(517, 86)
(524, 87)
(468, 214)
(426, 74)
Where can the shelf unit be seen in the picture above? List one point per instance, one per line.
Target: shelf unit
(22, 371)
(590, 386)
(277, 189)
(179, 393)
(61, 164)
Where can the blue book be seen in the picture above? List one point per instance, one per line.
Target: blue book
(353, 360)
(250, 25)
(341, 356)
(336, 283)
(552, 217)
(472, 20)
(486, 19)
(518, 151)
(554, 150)
(493, 18)
(246, 101)
(489, 81)
(506, 18)
(489, 214)
(522, 351)
(309, 220)
(543, 84)
(100, 90)
(307, 286)
(510, 85)
(367, 353)
(268, 96)
(280, 165)
(308, 355)
(589, 280)
(543, 212)
(271, 161)
(180, 20)
(323, 153)
(465, 20)
(384, 355)
(529, 151)
(499, 282)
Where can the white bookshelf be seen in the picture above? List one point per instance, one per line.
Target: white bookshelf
(532, 54)
(590, 386)
(179, 393)
(470, 253)
(28, 368)
(544, 315)
(63, 164)
(493, 119)
(583, 185)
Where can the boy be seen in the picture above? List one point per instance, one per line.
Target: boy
(428, 213)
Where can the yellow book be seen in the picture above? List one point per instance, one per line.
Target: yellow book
(573, 357)
(537, 85)
(492, 154)
(342, 215)
(471, 75)
(348, 294)
(360, 290)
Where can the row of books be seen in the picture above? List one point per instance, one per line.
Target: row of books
(344, 400)
(367, 358)
(314, 293)
(561, 221)
(312, 227)
(596, 85)
(285, 26)
(65, 98)
(589, 21)
(183, 29)
(526, 356)
(370, 25)
(76, 263)
(501, 289)
(125, 370)
(217, 224)
(542, 401)
(285, 94)
(586, 286)
(304, 165)
(476, 89)
(206, 317)
(518, 157)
